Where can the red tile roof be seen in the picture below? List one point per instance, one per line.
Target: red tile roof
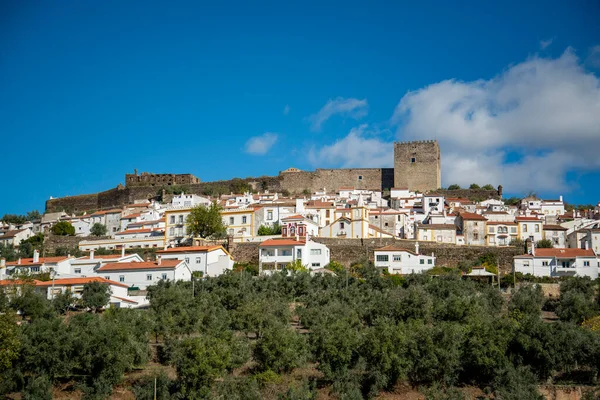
(7, 282)
(281, 242)
(164, 264)
(518, 219)
(131, 216)
(472, 216)
(501, 223)
(554, 228)
(43, 260)
(79, 281)
(98, 257)
(561, 253)
(11, 234)
(392, 247)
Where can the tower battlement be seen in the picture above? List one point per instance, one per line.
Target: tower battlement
(417, 165)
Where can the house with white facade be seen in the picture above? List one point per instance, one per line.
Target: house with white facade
(36, 265)
(398, 260)
(15, 237)
(440, 233)
(529, 228)
(209, 260)
(82, 225)
(501, 233)
(86, 266)
(557, 262)
(552, 208)
(298, 226)
(473, 228)
(557, 234)
(240, 222)
(189, 200)
(144, 274)
(275, 254)
(130, 239)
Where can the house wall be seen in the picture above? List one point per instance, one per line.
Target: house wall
(408, 264)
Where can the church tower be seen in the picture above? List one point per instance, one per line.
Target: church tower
(417, 165)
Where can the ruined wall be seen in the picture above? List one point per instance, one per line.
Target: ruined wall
(347, 251)
(148, 179)
(333, 179)
(417, 165)
(471, 194)
(52, 242)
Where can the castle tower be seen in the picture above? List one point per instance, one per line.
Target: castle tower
(417, 165)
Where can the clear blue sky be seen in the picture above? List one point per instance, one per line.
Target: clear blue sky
(90, 90)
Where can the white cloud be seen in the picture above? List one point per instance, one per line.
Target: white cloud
(286, 109)
(593, 58)
(545, 110)
(357, 149)
(545, 43)
(352, 108)
(260, 145)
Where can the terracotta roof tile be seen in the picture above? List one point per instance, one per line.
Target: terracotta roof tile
(281, 242)
(472, 216)
(164, 264)
(190, 249)
(79, 281)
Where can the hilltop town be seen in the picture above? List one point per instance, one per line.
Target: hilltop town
(388, 213)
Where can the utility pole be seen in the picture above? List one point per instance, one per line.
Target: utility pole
(154, 388)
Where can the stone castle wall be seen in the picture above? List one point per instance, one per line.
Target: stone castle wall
(471, 194)
(347, 251)
(148, 179)
(333, 179)
(417, 165)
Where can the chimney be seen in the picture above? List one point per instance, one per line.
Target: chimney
(533, 248)
(36, 256)
(587, 245)
(560, 198)
(92, 254)
(19, 261)
(123, 251)
(2, 262)
(417, 247)
(159, 260)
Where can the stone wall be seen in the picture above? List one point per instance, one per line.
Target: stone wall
(471, 194)
(347, 251)
(417, 165)
(52, 242)
(333, 179)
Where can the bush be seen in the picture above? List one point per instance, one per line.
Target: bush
(281, 349)
(63, 228)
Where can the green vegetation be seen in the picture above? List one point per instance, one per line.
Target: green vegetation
(63, 228)
(265, 230)
(544, 244)
(206, 222)
(474, 186)
(350, 335)
(21, 219)
(98, 229)
(454, 187)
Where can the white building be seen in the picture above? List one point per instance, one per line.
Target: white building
(557, 235)
(131, 239)
(82, 225)
(144, 274)
(15, 237)
(440, 233)
(553, 207)
(530, 228)
(501, 233)
(210, 260)
(189, 200)
(274, 254)
(433, 203)
(558, 262)
(398, 260)
(86, 266)
(35, 265)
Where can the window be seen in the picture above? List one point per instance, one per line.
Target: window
(397, 257)
(35, 269)
(475, 236)
(187, 260)
(315, 252)
(421, 261)
(164, 277)
(149, 277)
(513, 229)
(286, 252)
(537, 228)
(383, 257)
(430, 261)
(524, 227)
(526, 263)
(316, 264)
(413, 160)
(77, 270)
(230, 220)
(360, 177)
(244, 219)
(439, 238)
(544, 263)
(198, 260)
(172, 231)
(269, 215)
(491, 229)
(172, 219)
(107, 277)
(121, 278)
(586, 263)
(341, 225)
(326, 213)
(181, 219)
(298, 253)
(492, 239)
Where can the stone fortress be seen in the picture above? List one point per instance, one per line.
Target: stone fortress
(417, 166)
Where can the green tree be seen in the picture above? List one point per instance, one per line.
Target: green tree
(544, 244)
(14, 219)
(488, 187)
(206, 222)
(95, 295)
(265, 230)
(528, 300)
(454, 187)
(63, 301)
(33, 215)
(9, 337)
(474, 186)
(281, 349)
(63, 228)
(98, 229)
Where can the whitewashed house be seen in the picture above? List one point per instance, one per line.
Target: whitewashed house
(274, 254)
(144, 274)
(209, 260)
(557, 235)
(557, 262)
(298, 226)
(86, 266)
(82, 225)
(37, 264)
(15, 237)
(440, 233)
(130, 239)
(501, 233)
(530, 228)
(398, 260)
(189, 200)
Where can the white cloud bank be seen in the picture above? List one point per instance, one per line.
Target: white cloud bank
(525, 128)
(545, 110)
(351, 108)
(260, 145)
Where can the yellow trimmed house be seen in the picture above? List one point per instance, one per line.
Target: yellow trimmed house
(240, 223)
(352, 223)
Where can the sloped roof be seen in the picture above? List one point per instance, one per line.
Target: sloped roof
(392, 247)
(190, 249)
(281, 242)
(126, 266)
(79, 281)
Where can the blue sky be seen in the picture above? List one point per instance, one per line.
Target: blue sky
(92, 90)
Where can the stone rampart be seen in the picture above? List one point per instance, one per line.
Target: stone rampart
(347, 251)
(52, 242)
(471, 194)
(333, 179)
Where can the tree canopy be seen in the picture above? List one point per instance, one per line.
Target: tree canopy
(206, 222)
(98, 229)
(63, 228)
